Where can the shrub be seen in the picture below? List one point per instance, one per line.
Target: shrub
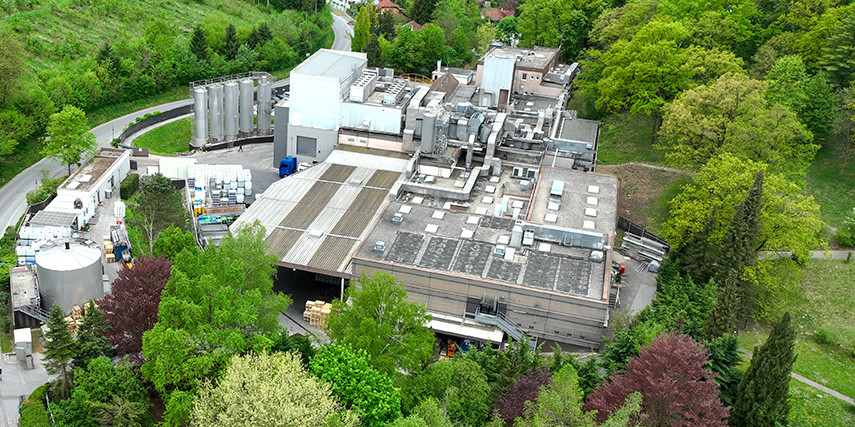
(129, 186)
(48, 188)
(846, 232)
(147, 115)
(33, 412)
(115, 142)
(825, 336)
(138, 119)
(155, 113)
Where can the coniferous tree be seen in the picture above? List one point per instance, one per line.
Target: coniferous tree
(372, 49)
(761, 398)
(59, 350)
(695, 257)
(386, 24)
(198, 43)
(723, 317)
(361, 30)
(740, 238)
(92, 337)
(232, 44)
(422, 11)
(724, 357)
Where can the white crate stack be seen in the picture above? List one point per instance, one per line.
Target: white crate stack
(227, 184)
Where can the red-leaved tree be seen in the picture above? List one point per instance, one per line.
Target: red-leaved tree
(677, 390)
(512, 404)
(131, 306)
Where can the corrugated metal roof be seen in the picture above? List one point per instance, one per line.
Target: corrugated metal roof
(317, 217)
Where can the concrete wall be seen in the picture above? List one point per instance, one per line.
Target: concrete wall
(577, 322)
(326, 142)
(382, 119)
(533, 84)
(315, 101)
(280, 134)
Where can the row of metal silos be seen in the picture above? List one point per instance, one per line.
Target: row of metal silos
(224, 111)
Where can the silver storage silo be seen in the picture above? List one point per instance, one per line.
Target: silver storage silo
(230, 111)
(265, 107)
(69, 275)
(200, 108)
(215, 110)
(246, 104)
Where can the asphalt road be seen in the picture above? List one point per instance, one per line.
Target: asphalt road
(13, 195)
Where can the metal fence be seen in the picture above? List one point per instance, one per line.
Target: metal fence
(633, 228)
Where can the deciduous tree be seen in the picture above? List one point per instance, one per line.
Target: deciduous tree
(60, 349)
(270, 390)
(360, 387)
(732, 115)
(11, 65)
(460, 387)
(131, 305)
(512, 404)
(377, 317)
(104, 395)
(171, 241)
(761, 398)
(70, 139)
(157, 205)
(677, 390)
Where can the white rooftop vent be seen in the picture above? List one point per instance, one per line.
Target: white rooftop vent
(431, 228)
(418, 200)
(558, 188)
(487, 199)
(438, 215)
(597, 255)
(528, 238)
(509, 254)
(490, 189)
(85, 178)
(472, 219)
(499, 251)
(594, 189)
(550, 217)
(588, 225)
(316, 233)
(553, 206)
(494, 179)
(590, 212)
(73, 185)
(592, 201)
(517, 204)
(398, 218)
(467, 234)
(379, 247)
(405, 208)
(503, 239)
(430, 179)
(544, 247)
(481, 211)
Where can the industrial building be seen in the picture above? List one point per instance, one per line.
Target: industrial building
(77, 198)
(481, 198)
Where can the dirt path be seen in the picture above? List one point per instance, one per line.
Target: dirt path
(814, 384)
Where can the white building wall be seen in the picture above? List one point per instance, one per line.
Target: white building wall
(382, 119)
(497, 74)
(315, 101)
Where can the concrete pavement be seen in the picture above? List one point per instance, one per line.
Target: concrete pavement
(18, 382)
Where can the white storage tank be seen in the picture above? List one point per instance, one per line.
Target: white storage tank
(215, 111)
(246, 102)
(69, 274)
(265, 106)
(230, 111)
(200, 107)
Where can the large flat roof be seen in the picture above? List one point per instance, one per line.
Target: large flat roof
(331, 63)
(537, 58)
(91, 173)
(464, 244)
(316, 219)
(588, 200)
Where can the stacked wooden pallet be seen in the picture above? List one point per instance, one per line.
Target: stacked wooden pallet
(317, 312)
(109, 256)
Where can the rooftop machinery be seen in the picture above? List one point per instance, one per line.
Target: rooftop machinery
(225, 108)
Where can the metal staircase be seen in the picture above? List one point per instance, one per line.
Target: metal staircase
(35, 312)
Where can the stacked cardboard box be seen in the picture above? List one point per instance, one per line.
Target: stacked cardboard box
(316, 313)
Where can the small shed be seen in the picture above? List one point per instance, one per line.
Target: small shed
(24, 339)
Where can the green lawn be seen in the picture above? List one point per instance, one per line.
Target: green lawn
(833, 190)
(626, 139)
(170, 138)
(812, 408)
(822, 302)
(5, 343)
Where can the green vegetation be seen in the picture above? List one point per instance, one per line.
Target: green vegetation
(168, 139)
(625, 138)
(129, 186)
(46, 189)
(110, 112)
(25, 155)
(33, 412)
(6, 343)
(829, 180)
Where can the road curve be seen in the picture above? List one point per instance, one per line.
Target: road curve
(13, 195)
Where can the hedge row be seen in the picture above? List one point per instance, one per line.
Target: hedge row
(129, 186)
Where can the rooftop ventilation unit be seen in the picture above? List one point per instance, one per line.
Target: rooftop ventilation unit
(499, 252)
(379, 247)
(395, 92)
(362, 88)
(398, 218)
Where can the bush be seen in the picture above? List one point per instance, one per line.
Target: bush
(129, 186)
(825, 336)
(155, 113)
(115, 142)
(48, 188)
(147, 115)
(33, 412)
(846, 232)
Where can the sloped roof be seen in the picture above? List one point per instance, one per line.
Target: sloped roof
(498, 14)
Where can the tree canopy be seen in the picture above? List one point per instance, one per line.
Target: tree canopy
(156, 206)
(268, 390)
(70, 139)
(376, 316)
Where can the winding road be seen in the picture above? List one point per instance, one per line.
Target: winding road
(13, 195)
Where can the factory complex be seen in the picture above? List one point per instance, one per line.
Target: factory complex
(477, 191)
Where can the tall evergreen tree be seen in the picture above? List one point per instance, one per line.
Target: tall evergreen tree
(372, 49)
(59, 350)
(361, 30)
(696, 256)
(723, 316)
(740, 239)
(761, 398)
(422, 11)
(232, 44)
(92, 337)
(198, 43)
(386, 24)
(724, 357)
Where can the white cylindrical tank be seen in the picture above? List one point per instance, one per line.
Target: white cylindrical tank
(246, 104)
(230, 111)
(69, 275)
(200, 107)
(215, 110)
(265, 96)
